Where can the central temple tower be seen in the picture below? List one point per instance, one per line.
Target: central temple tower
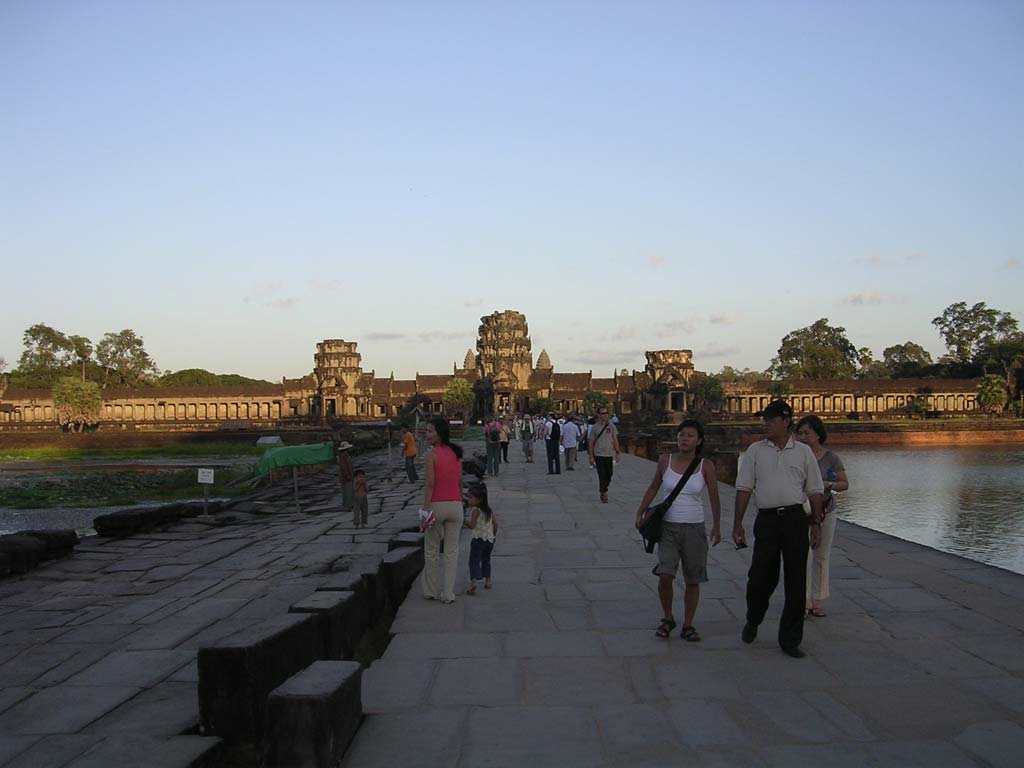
(503, 350)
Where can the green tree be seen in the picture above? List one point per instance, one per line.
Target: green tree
(819, 351)
(869, 368)
(999, 355)
(906, 360)
(992, 393)
(543, 405)
(124, 355)
(968, 330)
(47, 354)
(592, 401)
(82, 348)
(200, 377)
(780, 390)
(747, 377)
(458, 397)
(77, 402)
(708, 392)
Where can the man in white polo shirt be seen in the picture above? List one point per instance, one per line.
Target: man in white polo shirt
(781, 473)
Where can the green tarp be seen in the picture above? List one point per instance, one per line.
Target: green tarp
(295, 455)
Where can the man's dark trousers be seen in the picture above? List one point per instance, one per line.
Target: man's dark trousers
(779, 536)
(554, 460)
(410, 468)
(605, 467)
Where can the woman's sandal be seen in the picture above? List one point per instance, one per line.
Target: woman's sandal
(664, 629)
(818, 612)
(471, 590)
(690, 635)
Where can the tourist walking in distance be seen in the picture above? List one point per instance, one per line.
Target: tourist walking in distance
(361, 507)
(345, 475)
(684, 540)
(492, 443)
(505, 436)
(484, 524)
(780, 472)
(409, 452)
(603, 451)
(571, 442)
(810, 431)
(528, 439)
(442, 496)
(554, 445)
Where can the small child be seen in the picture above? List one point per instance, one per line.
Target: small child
(485, 528)
(360, 509)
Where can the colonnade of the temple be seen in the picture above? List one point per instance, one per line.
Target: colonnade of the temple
(136, 411)
(842, 404)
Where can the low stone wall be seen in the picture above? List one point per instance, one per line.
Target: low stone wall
(21, 552)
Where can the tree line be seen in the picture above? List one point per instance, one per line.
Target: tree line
(981, 342)
(76, 371)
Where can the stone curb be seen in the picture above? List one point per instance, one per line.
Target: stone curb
(312, 717)
(23, 551)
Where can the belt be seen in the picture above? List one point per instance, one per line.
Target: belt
(782, 510)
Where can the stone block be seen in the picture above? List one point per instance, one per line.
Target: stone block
(57, 543)
(237, 673)
(406, 539)
(129, 521)
(344, 619)
(398, 570)
(23, 551)
(312, 718)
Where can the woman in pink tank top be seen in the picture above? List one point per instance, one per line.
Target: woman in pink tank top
(442, 495)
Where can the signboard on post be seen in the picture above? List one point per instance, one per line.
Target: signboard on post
(206, 480)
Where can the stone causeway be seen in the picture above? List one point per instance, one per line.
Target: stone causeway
(920, 661)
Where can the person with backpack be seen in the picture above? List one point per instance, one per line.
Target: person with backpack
(554, 444)
(492, 439)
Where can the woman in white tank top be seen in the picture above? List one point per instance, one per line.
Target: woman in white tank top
(684, 540)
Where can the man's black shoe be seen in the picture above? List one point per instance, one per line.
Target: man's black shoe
(796, 653)
(749, 633)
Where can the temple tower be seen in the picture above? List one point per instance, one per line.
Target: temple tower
(503, 353)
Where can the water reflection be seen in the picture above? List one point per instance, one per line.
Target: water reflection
(960, 500)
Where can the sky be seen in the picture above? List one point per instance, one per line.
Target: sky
(237, 181)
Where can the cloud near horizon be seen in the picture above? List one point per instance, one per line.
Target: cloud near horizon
(863, 299)
(656, 261)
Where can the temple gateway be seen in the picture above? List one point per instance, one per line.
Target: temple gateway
(339, 389)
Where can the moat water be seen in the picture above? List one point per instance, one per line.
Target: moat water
(968, 501)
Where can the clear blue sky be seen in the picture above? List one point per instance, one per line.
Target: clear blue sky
(238, 180)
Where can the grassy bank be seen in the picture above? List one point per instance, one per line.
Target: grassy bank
(171, 450)
(103, 489)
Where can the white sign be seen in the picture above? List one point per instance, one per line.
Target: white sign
(206, 476)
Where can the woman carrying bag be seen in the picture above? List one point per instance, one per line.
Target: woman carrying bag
(684, 540)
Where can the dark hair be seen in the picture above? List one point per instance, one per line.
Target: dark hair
(444, 432)
(358, 472)
(696, 425)
(816, 424)
(479, 492)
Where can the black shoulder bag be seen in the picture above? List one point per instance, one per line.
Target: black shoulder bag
(650, 525)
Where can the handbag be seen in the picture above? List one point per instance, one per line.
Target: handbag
(650, 525)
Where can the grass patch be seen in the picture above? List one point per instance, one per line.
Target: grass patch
(107, 489)
(170, 451)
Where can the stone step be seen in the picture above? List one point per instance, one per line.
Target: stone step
(398, 570)
(312, 717)
(344, 619)
(237, 673)
(175, 752)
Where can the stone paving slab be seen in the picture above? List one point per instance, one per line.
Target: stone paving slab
(98, 650)
(918, 662)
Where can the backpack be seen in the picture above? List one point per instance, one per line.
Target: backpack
(493, 435)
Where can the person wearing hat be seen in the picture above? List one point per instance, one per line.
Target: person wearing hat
(780, 472)
(345, 474)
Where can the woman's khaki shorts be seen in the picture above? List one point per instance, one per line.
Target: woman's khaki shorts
(687, 542)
